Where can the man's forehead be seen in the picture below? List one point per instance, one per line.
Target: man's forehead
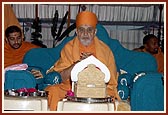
(86, 26)
(15, 34)
(153, 39)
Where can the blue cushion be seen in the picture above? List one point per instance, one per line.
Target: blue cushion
(123, 92)
(133, 61)
(125, 81)
(16, 79)
(102, 34)
(147, 93)
(52, 78)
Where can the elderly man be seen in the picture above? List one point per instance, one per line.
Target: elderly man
(15, 48)
(83, 45)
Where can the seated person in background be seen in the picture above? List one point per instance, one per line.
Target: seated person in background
(10, 18)
(15, 48)
(82, 46)
(151, 45)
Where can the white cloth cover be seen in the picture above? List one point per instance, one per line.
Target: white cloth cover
(84, 63)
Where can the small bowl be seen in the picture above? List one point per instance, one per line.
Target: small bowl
(10, 92)
(33, 94)
(22, 94)
(43, 93)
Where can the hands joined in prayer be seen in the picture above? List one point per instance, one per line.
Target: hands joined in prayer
(85, 55)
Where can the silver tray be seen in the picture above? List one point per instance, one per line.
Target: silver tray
(90, 100)
(14, 92)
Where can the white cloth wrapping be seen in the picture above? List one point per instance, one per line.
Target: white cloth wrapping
(16, 67)
(84, 63)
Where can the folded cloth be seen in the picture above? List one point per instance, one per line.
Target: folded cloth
(16, 67)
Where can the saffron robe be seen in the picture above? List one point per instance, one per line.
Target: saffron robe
(15, 56)
(70, 54)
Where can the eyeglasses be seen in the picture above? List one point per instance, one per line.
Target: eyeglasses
(89, 30)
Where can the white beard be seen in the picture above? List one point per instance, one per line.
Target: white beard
(85, 42)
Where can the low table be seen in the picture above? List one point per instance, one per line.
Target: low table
(66, 105)
(28, 103)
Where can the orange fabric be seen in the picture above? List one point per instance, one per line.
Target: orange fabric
(159, 59)
(70, 54)
(15, 56)
(9, 17)
(86, 17)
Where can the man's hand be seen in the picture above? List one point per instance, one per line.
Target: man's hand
(66, 73)
(85, 55)
(37, 74)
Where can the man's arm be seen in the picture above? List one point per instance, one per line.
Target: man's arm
(66, 73)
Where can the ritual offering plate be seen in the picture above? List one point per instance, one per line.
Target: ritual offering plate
(25, 93)
(90, 100)
(43, 93)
